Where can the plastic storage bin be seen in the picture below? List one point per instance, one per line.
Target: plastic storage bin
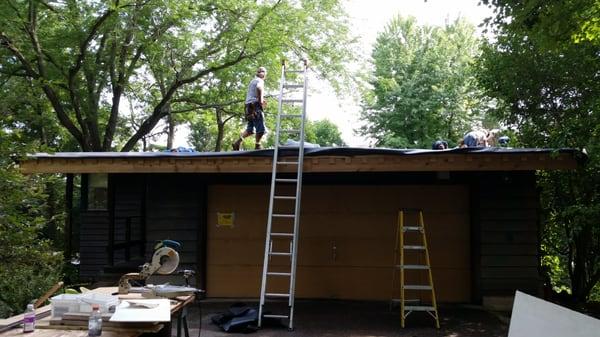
(61, 304)
(107, 303)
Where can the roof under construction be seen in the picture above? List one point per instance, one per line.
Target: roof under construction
(327, 159)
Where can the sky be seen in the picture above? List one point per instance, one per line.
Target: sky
(367, 19)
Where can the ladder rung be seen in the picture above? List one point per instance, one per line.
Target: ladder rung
(275, 316)
(283, 234)
(287, 163)
(283, 215)
(280, 254)
(416, 287)
(273, 273)
(398, 300)
(412, 228)
(277, 295)
(281, 180)
(291, 131)
(413, 266)
(418, 308)
(292, 100)
(293, 86)
(415, 247)
(284, 197)
(291, 116)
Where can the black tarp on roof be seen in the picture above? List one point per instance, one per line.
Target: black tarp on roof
(310, 152)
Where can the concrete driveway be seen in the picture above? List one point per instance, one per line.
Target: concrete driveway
(359, 319)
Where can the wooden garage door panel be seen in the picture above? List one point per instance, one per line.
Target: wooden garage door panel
(339, 282)
(236, 251)
(359, 221)
(233, 281)
(357, 253)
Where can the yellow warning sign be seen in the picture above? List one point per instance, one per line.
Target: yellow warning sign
(225, 219)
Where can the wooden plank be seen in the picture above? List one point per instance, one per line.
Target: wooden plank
(134, 331)
(509, 261)
(362, 163)
(39, 313)
(507, 237)
(508, 226)
(67, 333)
(509, 285)
(510, 273)
(509, 249)
(511, 214)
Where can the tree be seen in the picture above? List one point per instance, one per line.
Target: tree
(544, 76)
(325, 133)
(31, 263)
(548, 21)
(423, 85)
(87, 57)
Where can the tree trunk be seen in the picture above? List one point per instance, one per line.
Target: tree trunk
(580, 271)
(220, 129)
(170, 127)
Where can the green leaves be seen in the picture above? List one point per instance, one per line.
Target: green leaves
(30, 264)
(423, 85)
(543, 74)
(88, 57)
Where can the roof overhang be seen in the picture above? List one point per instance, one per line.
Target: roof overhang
(315, 160)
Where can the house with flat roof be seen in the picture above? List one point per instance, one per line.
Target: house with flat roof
(481, 210)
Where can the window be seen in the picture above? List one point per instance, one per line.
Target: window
(97, 191)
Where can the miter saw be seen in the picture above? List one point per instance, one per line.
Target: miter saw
(165, 260)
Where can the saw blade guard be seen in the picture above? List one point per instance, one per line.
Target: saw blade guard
(166, 259)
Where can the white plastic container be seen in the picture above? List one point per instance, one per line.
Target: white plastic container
(61, 304)
(107, 303)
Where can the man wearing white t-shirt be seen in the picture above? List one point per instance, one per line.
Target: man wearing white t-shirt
(255, 103)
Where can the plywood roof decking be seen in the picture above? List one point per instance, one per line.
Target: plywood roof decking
(316, 160)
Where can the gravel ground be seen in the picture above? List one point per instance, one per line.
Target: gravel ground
(359, 319)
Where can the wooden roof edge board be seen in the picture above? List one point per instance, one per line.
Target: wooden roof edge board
(335, 163)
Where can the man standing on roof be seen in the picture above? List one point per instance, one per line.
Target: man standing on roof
(478, 138)
(255, 103)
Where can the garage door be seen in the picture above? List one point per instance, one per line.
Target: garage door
(347, 238)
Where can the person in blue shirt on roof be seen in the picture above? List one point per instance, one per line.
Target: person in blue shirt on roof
(255, 104)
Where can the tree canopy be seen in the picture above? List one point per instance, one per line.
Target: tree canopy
(30, 219)
(424, 87)
(544, 74)
(91, 63)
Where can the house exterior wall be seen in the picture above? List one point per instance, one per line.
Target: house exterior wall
(174, 212)
(482, 230)
(347, 238)
(92, 243)
(506, 239)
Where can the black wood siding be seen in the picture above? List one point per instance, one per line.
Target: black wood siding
(93, 238)
(174, 211)
(129, 207)
(505, 210)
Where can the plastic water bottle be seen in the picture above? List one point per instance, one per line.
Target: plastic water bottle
(95, 321)
(29, 319)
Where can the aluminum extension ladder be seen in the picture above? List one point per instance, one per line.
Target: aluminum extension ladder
(415, 251)
(286, 233)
